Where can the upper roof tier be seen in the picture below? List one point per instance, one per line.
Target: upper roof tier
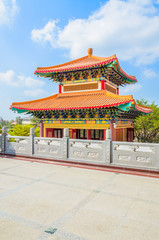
(88, 66)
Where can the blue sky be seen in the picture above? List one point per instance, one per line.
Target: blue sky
(38, 33)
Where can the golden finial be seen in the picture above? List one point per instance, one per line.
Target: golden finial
(90, 51)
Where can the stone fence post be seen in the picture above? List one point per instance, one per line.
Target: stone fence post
(65, 143)
(0, 143)
(108, 134)
(3, 143)
(32, 135)
(108, 145)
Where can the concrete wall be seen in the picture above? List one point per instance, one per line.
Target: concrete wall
(138, 155)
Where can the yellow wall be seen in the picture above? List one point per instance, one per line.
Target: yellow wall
(128, 125)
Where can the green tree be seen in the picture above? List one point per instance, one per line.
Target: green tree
(23, 130)
(35, 121)
(19, 120)
(147, 126)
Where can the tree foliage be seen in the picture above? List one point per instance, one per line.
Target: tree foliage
(147, 126)
(5, 123)
(19, 120)
(23, 130)
(35, 121)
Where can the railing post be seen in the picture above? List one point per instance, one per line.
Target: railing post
(32, 132)
(4, 134)
(157, 155)
(0, 143)
(65, 143)
(41, 128)
(108, 146)
(108, 134)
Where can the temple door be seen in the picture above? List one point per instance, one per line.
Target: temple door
(49, 132)
(130, 134)
(73, 133)
(119, 134)
(58, 133)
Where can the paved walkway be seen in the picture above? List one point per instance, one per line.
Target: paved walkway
(37, 199)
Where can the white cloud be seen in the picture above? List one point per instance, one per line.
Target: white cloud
(130, 88)
(149, 73)
(12, 79)
(46, 34)
(8, 9)
(34, 93)
(128, 28)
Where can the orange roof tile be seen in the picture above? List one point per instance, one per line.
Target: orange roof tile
(75, 100)
(85, 62)
(143, 108)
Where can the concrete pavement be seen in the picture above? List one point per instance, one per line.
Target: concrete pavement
(49, 202)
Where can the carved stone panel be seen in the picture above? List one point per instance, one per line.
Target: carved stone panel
(93, 154)
(41, 149)
(53, 150)
(21, 148)
(143, 159)
(77, 153)
(124, 158)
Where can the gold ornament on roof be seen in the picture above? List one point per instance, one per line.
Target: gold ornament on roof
(90, 51)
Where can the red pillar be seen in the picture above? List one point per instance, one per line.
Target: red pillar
(41, 128)
(60, 88)
(102, 85)
(117, 91)
(112, 130)
(88, 134)
(72, 133)
(104, 134)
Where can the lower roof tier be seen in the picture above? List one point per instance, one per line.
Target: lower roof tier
(81, 100)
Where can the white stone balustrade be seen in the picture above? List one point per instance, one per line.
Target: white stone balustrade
(127, 154)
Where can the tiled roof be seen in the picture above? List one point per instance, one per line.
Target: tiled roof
(75, 100)
(87, 62)
(143, 108)
(84, 62)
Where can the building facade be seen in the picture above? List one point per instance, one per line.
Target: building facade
(88, 102)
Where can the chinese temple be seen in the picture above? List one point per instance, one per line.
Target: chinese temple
(88, 102)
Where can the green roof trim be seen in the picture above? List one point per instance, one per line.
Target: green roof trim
(19, 110)
(125, 107)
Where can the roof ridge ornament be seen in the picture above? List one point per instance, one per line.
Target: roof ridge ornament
(90, 51)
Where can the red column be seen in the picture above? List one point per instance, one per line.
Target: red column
(118, 91)
(60, 88)
(104, 134)
(72, 133)
(41, 128)
(112, 130)
(102, 85)
(88, 134)
(75, 131)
